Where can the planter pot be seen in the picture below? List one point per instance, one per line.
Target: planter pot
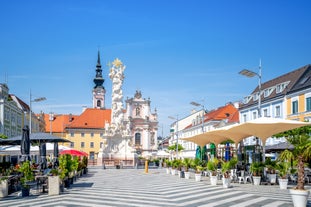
(226, 182)
(25, 191)
(4, 188)
(179, 173)
(71, 180)
(299, 197)
(272, 178)
(197, 177)
(61, 187)
(187, 175)
(67, 183)
(213, 180)
(168, 171)
(173, 171)
(256, 180)
(53, 185)
(283, 184)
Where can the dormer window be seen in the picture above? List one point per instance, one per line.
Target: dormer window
(255, 96)
(267, 92)
(280, 87)
(247, 99)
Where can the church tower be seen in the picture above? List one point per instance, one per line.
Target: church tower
(99, 90)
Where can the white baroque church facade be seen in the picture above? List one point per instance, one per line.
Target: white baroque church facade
(132, 130)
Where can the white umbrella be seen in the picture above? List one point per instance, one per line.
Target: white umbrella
(162, 153)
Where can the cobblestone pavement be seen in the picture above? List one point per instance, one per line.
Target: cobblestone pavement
(133, 187)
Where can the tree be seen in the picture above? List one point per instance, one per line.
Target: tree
(301, 140)
(173, 147)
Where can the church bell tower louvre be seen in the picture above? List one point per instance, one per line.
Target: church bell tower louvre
(99, 90)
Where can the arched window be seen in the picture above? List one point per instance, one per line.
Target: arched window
(137, 139)
(98, 103)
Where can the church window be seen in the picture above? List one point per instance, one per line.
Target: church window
(98, 103)
(137, 139)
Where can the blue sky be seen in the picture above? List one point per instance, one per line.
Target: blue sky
(175, 51)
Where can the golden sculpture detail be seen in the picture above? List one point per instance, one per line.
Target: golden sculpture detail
(117, 63)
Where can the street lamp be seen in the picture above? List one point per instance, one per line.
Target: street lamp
(30, 108)
(250, 74)
(203, 112)
(176, 119)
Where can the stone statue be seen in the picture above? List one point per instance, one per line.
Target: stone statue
(117, 76)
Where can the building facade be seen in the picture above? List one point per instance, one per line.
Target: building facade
(276, 100)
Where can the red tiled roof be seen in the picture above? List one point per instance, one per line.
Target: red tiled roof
(92, 118)
(59, 122)
(224, 112)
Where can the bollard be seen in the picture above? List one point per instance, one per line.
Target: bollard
(146, 166)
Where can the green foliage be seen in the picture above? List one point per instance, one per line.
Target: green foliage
(197, 164)
(173, 147)
(65, 166)
(27, 174)
(168, 163)
(256, 168)
(2, 136)
(300, 139)
(84, 162)
(75, 163)
(283, 169)
(212, 165)
(187, 164)
(177, 164)
(271, 165)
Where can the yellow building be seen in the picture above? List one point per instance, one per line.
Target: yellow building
(298, 99)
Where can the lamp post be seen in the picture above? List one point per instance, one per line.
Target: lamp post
(203, 112)
(30, 109)
(51, 118)
(250, 74)
(176, 119)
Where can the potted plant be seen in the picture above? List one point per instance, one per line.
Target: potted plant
(270, 166)
(256, 169)
(283, 170)
(54, 182)
(179, 165)
(168, 164)
(225, 167)
(84, 164)
(197, 166)
(26, 178)
(187, 165)
(65, 166)
(212, 166)
(4, 187)
(174, 167)
(301, 140)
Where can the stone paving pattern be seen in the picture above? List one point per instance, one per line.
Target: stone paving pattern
(134, 187)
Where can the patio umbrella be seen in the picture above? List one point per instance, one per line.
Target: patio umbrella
(25, 144)
(73, 152)
(213, 150)
(55, 154)
(263, 128)
(198, 152)
(42, 152)
(227, 152)
(203, 153)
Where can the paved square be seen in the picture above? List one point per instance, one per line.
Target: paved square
(133, 187)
